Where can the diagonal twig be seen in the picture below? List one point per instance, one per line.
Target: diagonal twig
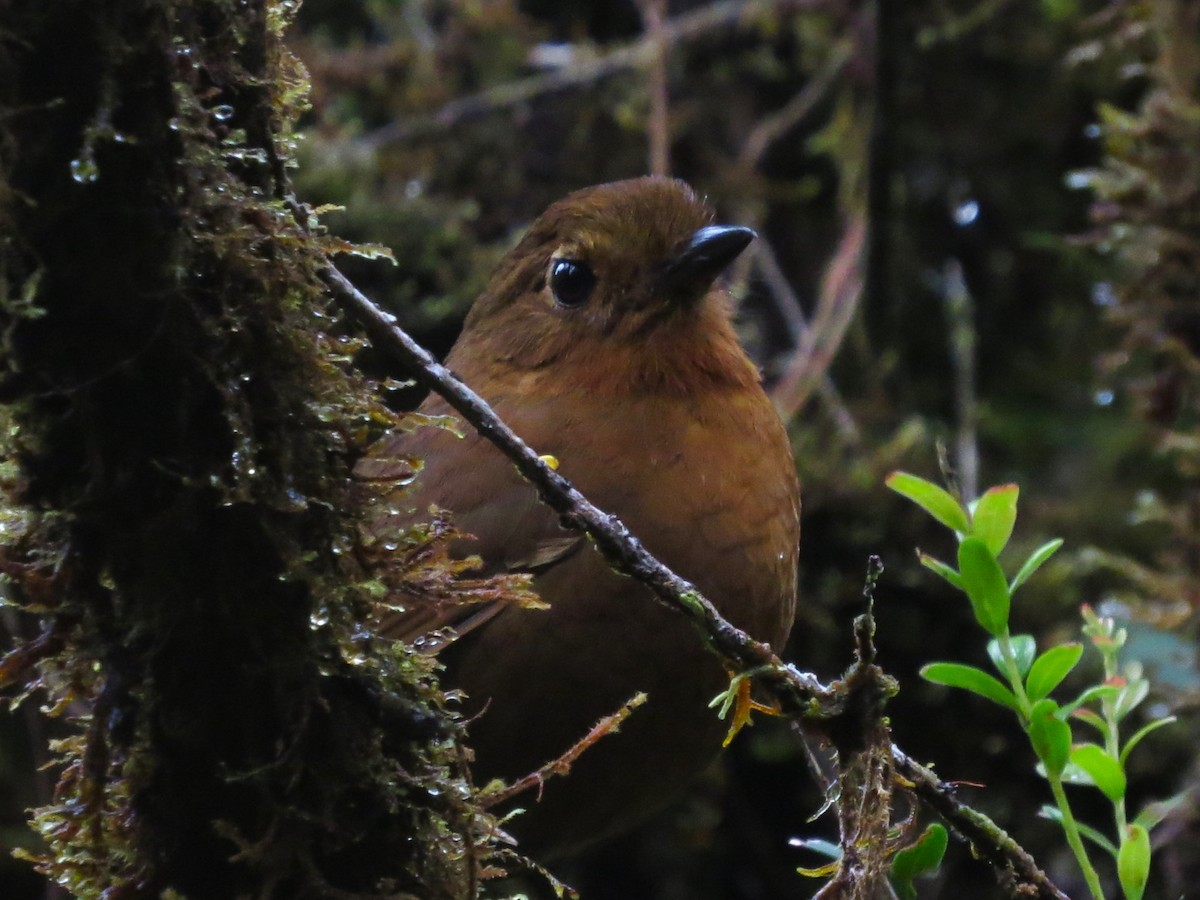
(797, 691)
(841, 293)
(799, 694)
(989, 841)
(561, 765)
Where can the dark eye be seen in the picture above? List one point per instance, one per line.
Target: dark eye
(572, 282)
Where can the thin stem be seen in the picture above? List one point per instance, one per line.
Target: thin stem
(1071, 829)
(1112, 738)
(1014, 675)
(1069, 825)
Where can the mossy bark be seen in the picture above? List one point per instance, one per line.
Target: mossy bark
(179, 426)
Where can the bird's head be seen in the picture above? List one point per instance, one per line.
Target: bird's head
(614, 281)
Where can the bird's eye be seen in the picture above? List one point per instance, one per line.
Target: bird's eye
(571, 282)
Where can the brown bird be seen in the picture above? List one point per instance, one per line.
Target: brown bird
(601, 340)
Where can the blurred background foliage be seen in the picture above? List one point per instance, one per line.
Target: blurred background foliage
(980, 230)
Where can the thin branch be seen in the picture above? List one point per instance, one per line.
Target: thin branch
(771, 128)
(841, 292)
(638, 55)
(658, 125)
(561, 765)
(989, 841)
(799, 694)
(788, 304)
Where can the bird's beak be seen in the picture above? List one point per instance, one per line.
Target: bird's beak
(706, 256)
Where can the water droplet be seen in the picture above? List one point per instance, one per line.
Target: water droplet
(84, 170)
(966, 213)
(414, 188)
(223, 113)
(1103, 294)
(1079, 179)
(1093, 130)
(1104, 398)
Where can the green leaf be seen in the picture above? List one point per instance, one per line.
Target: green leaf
(1096, 692)
(1024, 648)
(1133, 693)
(1104, 771)
(1050, 736)
(1157, 811)
(1039, 556)
(1060, 10)
(1096, 837)
(922, 857)
(1133, 861)
(1051, 668)
(985, 585)
(994, 515)
(931, 498)
(936, 565)
(971, 679)
(1141, 733)
(824, 848)
(1092, 718)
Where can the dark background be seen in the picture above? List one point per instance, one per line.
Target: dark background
(964, 134)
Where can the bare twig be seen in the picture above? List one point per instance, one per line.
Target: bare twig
(841, 292)
(788, 304)
(771, 128)
(799, 694)
(638, 55)
(562, 765)
(658, 125)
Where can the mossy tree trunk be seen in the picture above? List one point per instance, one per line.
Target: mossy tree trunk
(178, 429)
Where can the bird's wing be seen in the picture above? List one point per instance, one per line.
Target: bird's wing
(498, 513)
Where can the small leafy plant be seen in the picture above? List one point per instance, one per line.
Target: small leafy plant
(1028, 678)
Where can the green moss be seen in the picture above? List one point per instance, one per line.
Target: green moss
(183, 417)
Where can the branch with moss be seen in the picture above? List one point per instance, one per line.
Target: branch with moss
(993, 844)
(838, 708)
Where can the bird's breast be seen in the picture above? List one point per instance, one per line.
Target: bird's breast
(708, 484)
